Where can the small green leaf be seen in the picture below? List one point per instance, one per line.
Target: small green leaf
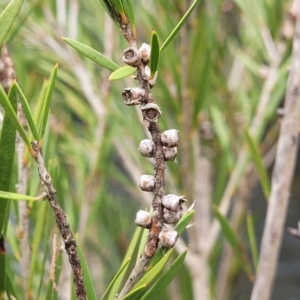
(19, 197)
(184, 221)
(233, 240)
(128, 7)
(164, 280)
(7, 18)
(47, 101)
(92, 54)
(262, 172)
(252, 239)
(155, 271)
(27, 112)
(88, 280)
(122, 73)
(9, 111)
(178, 26)
(114, 286)
(116, 277)
(134, 293)
(154, 55)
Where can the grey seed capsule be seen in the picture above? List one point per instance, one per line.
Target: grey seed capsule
(151, 112)
(171, 217)
(131, 57)
(146, 148)
(133, 96)
(169, 138)
(143, 219)
(173, 202)
(147, 183)
(145, 51)
(168, 238)
(170, 153)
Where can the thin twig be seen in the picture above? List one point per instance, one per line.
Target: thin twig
(281, 178)
(63, 225)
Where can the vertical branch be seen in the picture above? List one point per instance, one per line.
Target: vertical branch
(62, 223)
(281, 178)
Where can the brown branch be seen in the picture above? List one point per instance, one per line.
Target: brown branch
(281, 178)
(62, 223)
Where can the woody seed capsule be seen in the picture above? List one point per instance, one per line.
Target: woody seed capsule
(146, 148)
(143, 219)
(131, 57)
(151, 112)
(167, 238)
(133, 96)
(147, 183)
(171, 217)
(173, 202)
(145, 50)
(170, 153)
(169, 138)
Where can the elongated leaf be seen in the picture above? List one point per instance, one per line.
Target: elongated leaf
(19, 197)
(233, 240)
(261, 170)
(47, 101)
(116, 277)
(154, 272)
(164, 280)
(27, 111)
(122, 73)
(184, 221)
(8, 17)
(252, 239)
(128, 7)
(7, 152)
(88, 280)
(11, 286)
(134, 293)
(115, 10)
(154, 55)
(92, 54)
(178, 26)
(11, 114)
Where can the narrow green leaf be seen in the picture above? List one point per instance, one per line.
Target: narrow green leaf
(88, 280)
(155, 271)
(47, 101)
(7, 18)
(122, 73)
(11, 114)
(128, 7)
(11, 286)
(233, 240)
(14, 196)
(92, 54)
(27, 112)
(184, 221)
(257, 159)
(115, 285)
(154, 55)
(134, 293)
(178, 26)
(164, 280)
(120, 271)
(252, 239)
(7, 152)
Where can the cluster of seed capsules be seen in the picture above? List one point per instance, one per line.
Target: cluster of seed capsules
(171, 203)
(169, 138)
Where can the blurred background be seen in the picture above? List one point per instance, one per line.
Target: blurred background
(225, 71)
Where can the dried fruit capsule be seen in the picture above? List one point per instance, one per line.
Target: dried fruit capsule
(131, 57)
(170, 153)
(151, 112)
(171, 217)
(133, 96)
(147, 183)
(145, 50)
(173, 202)
(169, 138)
(146, 148)
(167, 238)
(143, 219)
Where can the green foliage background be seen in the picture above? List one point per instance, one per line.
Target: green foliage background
(211, 78)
